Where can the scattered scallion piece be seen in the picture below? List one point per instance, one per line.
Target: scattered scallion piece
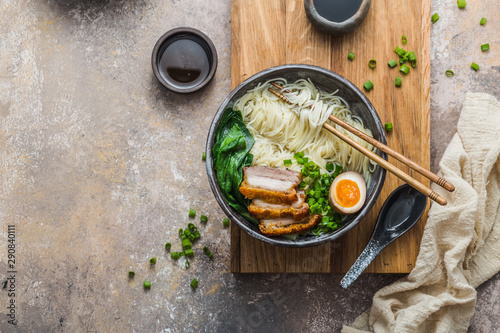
(474, 66)
(287, 162)
(372, 63)
(194, 283)
(189, 252)
(404, 69)
(204, 156)
(203, 218)
(388, 127)
(329, 166)
(413, 59)
(187, 264)
(298, 154)
(191, 238)
(435, 17)
(181, 254)
(368, 85)
(192, 227)
(404, 40)
(147, 284)
(225, 222)
(485, 47)
(192, 212)
(181, 232)
(392, 63)
(483, 21)
(350, 56)
(131, 274)
(397, 81)
(196, 234)
(449, 72)
(168, 246)
(186, 244)
(207, 252)
(187, 232)
(461, 3)
(175, 255)
(152, 261)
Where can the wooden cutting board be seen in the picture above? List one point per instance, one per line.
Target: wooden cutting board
(268, 33)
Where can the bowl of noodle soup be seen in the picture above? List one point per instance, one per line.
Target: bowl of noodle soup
(280, 130)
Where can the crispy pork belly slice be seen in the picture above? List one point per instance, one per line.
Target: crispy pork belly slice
(272, 185)
(298, 210)
(285, 226)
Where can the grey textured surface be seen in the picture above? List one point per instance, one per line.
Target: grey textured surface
(100, 164)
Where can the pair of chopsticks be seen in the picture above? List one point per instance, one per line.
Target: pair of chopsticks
(379, 160)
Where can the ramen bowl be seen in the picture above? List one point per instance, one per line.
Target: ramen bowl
(325, 80)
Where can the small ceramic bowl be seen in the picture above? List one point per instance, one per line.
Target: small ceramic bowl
(336, 28)
(184, 60)
(327, 81)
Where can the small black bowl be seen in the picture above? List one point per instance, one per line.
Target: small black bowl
(327, 81)
(190, 62)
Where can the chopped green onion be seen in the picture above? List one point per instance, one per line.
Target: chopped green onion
(187, 232)
(392, 63)
(298, 155)
(191, 227)
(191, 238)
(350, 56)
(475, 66)
(175, 255)
(204, 156)
(196, 234)
(207, 252)
(194, 283)
(187, 264)
(372, 63)
(388, 127)
(305, 160)
(189, 252)
(401, 53)
(397, 49)
(483, 21)
(287, 162)
(412, 56)
(147, 284)
(302, 185)
(300, 160)
(225, 222)
(186, 244)
(435, 17)
(203, 218)
(192, 213)
(181, 254)
(404, 69)
(404, 39)
(152, 261)
(181, 232)
(449, 72)
(397, 81)
(168, 246)
(329, 167)
(368, 85)
(131, 274)
(461, 3)
(485, 47)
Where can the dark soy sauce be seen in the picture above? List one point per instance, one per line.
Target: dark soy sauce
(337, 10)
(184, 63)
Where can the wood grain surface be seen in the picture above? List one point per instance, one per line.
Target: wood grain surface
(268, 33)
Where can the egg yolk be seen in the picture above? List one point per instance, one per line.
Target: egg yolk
(347, 193)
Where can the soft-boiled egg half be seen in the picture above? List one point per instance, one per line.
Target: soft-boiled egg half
(348, 192)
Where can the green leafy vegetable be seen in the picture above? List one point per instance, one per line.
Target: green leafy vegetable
(231, 152)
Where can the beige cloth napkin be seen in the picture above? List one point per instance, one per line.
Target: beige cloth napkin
(460, 248)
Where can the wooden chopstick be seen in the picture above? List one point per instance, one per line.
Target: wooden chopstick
(377, 159)
(424, 172)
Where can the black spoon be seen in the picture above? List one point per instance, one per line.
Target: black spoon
(402, 209)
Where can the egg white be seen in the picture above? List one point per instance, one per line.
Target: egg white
(358, 179)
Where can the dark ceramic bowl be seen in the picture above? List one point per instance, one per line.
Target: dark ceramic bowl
(336, 28)
(204, 44)
(326, 81)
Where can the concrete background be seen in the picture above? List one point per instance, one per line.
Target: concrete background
(99, 165)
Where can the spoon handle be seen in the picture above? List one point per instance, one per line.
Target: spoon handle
(365, 258)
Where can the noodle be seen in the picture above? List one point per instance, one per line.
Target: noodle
(280, 129)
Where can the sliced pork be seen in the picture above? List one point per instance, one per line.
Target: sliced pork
(272, 185)
(285, 226)
(298, 210)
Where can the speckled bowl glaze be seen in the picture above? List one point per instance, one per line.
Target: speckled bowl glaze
(336, 28)
(325, 80)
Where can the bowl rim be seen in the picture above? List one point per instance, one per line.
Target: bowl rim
(184, 31)
(234, 216)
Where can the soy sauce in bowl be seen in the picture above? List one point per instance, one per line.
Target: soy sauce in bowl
(337, 10)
